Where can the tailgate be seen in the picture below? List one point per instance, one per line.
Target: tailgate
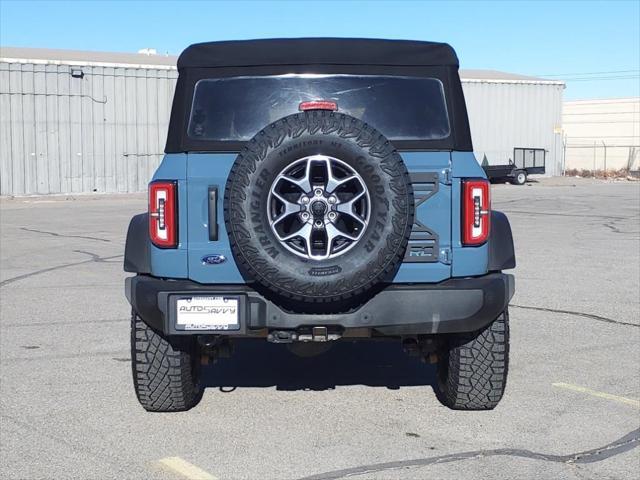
(429, 252)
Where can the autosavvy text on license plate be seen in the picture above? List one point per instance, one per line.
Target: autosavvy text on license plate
(207, 313)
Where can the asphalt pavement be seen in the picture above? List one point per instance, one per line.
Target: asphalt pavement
(571, 407)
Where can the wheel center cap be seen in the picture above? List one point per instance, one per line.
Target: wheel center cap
(318, 208)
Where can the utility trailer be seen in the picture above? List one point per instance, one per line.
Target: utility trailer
(528, 161)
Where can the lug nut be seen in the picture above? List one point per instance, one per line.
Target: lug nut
(318, 192)
(332, 215)
(304, 200)
(318, 223)
(305, 215)
(333, 199)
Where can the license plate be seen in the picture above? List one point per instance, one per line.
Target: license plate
(207, 313)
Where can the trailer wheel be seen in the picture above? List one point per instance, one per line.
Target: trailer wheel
(520, 177)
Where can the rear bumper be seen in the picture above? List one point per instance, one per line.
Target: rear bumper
(456, 305)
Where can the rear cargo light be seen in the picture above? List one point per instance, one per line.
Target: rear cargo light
(163, 222)
(476, 211)
(318, 105)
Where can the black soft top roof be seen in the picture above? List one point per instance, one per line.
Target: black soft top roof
(317, 51)
(350, 56)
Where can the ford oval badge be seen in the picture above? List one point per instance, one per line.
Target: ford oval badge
(214, 259)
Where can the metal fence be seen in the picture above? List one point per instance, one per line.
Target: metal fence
(600, 156)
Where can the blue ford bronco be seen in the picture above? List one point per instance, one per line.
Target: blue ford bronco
(314, 191)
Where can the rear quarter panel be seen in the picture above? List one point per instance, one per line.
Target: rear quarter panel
(466, 261)
(172, 262)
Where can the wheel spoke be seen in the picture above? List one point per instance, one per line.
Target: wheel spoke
(356, 218)
(303, 183)
(334, 232)
(305, 233)
(327, 249)
(347, 207)
(332, 181)
(307, 238)
(289, 208)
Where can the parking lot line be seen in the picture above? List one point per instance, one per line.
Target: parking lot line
(595, 393)
(186, 469)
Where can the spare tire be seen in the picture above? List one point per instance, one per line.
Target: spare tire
(318, 208)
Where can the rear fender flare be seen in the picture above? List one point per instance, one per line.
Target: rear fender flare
(501, 251)
(137, 251)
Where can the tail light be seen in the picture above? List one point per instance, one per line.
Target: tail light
(163, 221)
(476, 212)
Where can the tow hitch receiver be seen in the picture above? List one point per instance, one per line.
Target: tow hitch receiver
(316, 334)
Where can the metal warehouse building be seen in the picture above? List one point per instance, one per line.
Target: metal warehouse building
(79, 122)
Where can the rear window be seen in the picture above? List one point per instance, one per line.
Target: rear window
(236, 108)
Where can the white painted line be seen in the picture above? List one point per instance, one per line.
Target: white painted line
(594, 393)
(186, 469)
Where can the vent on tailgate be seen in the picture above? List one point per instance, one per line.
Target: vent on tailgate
(423, 243)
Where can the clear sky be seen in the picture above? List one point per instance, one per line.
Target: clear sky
(594, 45)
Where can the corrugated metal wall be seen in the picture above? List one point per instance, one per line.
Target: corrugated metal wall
(602, 134)
(508, 115)
(104, 132)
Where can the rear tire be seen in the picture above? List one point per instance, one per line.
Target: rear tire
(165, 371)
(472, 371)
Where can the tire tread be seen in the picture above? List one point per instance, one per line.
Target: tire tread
(164, 373)
(473, 373)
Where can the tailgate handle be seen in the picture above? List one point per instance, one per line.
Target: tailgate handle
(213, 213)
